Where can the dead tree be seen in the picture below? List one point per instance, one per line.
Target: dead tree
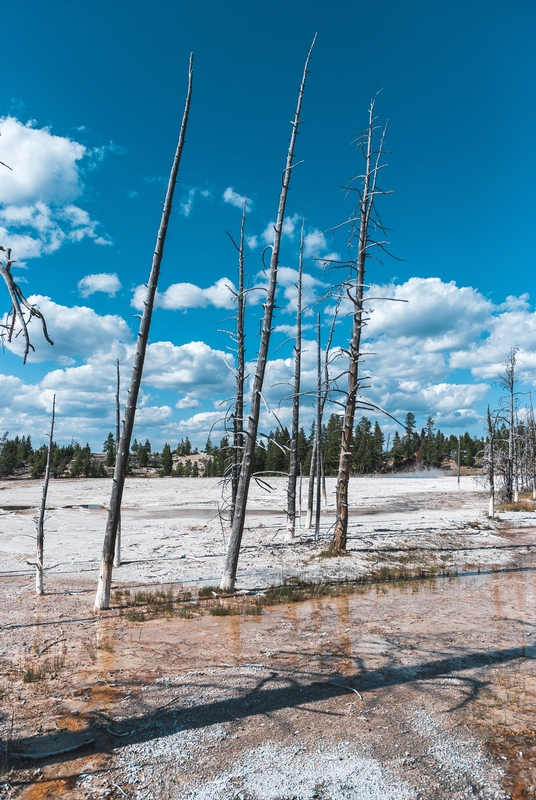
(102, 599)
(364, 224)
(246, 469)
(491, 464)
(531, 426)
(311, 485)
(322, 397)
(507, 381)
(238, 413)
(16, 322)
(117, 549)
(318, 429)
(293, 469)
(39, 584)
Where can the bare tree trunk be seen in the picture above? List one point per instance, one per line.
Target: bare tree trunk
(293, 470)
(324, 490)
(364, 218)
(300, 497)
(509, 384)
(314, 457)
(491, 466)
(318, 430)
(235, 539)
(238, 417)
(39, 587)
(117, 549)
(102, 599)
(311, 485)
(532, 453)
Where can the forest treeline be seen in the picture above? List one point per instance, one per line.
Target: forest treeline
(372, 452)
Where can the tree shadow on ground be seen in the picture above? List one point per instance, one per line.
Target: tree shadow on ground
(264, 698)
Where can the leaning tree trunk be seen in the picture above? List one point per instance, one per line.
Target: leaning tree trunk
(364, 243)
(293, 470)
(311, 485)
(246, 470)
(102, 599)
(39, 584)
(117, 548)
(238, 417)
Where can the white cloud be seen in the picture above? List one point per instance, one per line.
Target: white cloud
(288, 229)
(194, 366)
(312, 289)
(252, 242)
(188, 202)
(235, 199)
(37, 213)
(188, 295)
(106, 282)
(188, 402)
(314, 243)
(77, 332)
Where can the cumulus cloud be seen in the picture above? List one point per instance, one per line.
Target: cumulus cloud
(312, 289)
(188, 295)
(288, 229)
(77, 332)
(194, 365)
(106, 282)
(314, 243)
(37, 213)
(235, 199)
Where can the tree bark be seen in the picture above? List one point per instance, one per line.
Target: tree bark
(39, 582)
(293, 470)
(102, 599)
(235, 539)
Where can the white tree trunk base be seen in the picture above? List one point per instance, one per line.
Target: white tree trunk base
(491, 509)
(227, 583)
(102, 598)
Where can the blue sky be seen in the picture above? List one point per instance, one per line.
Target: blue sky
(91, 100)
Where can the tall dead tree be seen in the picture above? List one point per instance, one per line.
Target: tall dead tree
(117, 548)
(491, 464)
(293, 469)
(364, 226)
(316, 455)
(102, 599)
(508, 382)
(240, 336)
(246, 469)
(318, 428)
(40, 539)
